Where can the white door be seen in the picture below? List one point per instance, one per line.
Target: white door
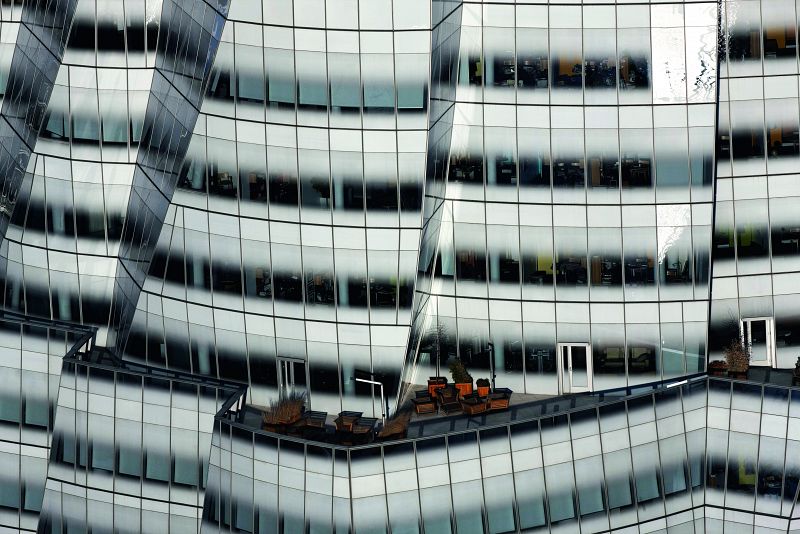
(758, 335)
(291, 376)
(575, 367)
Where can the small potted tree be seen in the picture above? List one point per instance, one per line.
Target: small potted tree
(483, 387)
(462, 379)
(738, 359)
(436, 336)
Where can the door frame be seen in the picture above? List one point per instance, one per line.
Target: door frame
(560, 364)
(771, 347)
(280, 363)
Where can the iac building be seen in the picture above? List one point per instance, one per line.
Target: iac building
(207, 206)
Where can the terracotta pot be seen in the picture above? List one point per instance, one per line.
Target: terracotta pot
(464, 388)
(433, 388)
(434, 383)
(483, 391)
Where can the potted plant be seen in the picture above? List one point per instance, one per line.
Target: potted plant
(718, 368)
(287, 410)
(738, 359)
(483, 387)
(461, 377)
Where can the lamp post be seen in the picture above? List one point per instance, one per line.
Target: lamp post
(491, 363)
(375, 383)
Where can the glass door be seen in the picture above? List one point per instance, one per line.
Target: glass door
(575, 369)
(759, 340)
(291, 377)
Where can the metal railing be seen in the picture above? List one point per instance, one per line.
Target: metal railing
(603, 398)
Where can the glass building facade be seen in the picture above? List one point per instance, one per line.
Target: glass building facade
(707, 455)
(32, 353)
(208, 204)
(577, 208)
(129, 449)
(755, 262)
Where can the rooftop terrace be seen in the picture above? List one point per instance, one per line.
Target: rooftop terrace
(337, 429)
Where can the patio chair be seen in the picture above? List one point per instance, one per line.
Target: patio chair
(448, 399)
(424, 403)
(315, 419)
(473, 404)
(499, 399)
(346, 419)
(364, 430)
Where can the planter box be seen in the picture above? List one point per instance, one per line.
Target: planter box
(464, 388)
(424, 405)
(272, 420)
(473, 406)
(435, 383)
(432, 389)
(500, 399)
(498, 402)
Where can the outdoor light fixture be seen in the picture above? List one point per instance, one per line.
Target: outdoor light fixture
(384, 408)
(491, 364)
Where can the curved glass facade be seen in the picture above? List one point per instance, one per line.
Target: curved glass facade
(31, 369)
(225, 203)
(755, 258)
(129, 450)
(138, 449)
(294, 225)
(578, 201)
(710, 455)
(355, 187)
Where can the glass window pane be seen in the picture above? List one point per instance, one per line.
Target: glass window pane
(560, 492)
